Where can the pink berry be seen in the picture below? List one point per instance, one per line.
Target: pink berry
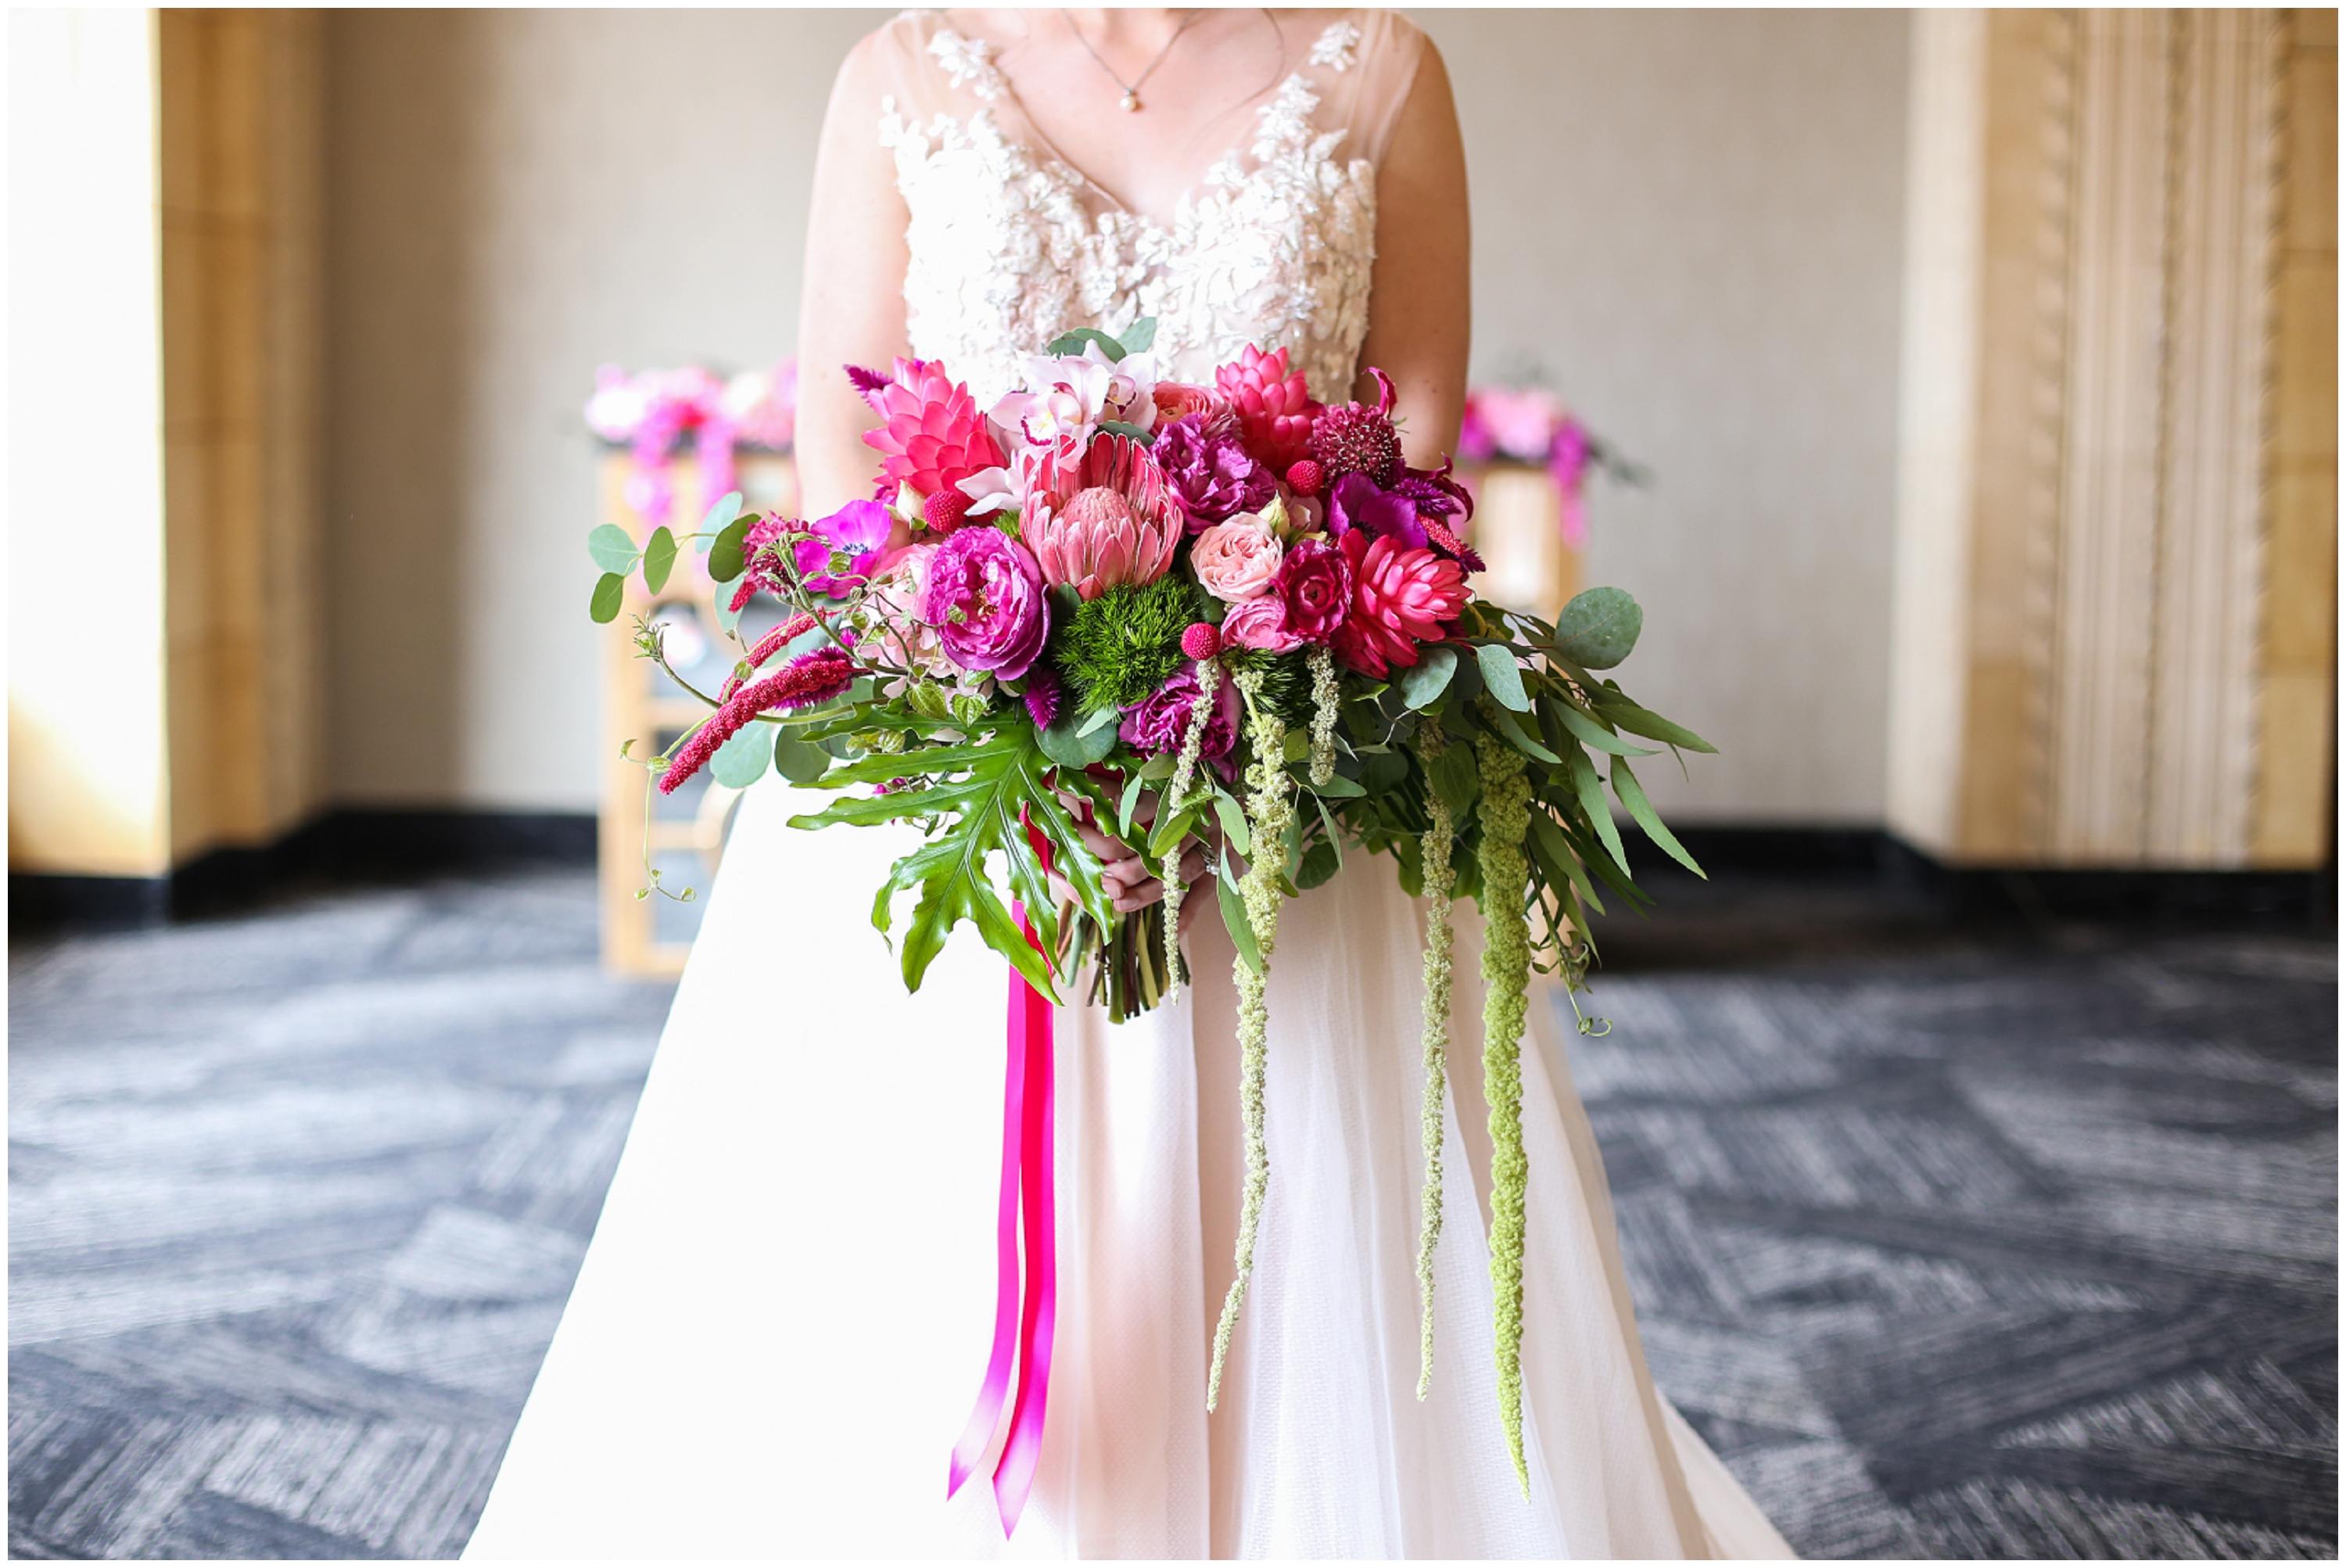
(945, 510)
(1304, 477)
(1202, 640)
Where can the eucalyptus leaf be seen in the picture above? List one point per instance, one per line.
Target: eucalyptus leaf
(741, 761)
(610, 592)
(1337, 787)
(612, 548)
(720, 516)
(1632, 795)
(1426, 679)
(1501, 676)
(1138, 337)
(1598, 628)
(659, 558)
(1068, 746)
(1098, 718)
(1127, 805)
(799, 761)
(1559, 850)
(1320, 863)
(728, 556)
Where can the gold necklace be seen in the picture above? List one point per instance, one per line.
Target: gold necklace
(1131, 104)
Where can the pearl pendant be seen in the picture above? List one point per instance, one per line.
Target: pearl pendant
(1131, 102)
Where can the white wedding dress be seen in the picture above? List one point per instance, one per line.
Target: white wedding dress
(781, 1324)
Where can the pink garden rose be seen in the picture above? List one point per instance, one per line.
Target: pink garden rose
(1236, 561)
(896, 635)
(986, 600)
(1315, 581)
(1177, 400)
(1259, 624)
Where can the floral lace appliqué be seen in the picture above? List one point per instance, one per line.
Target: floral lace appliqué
(1273, 247)
(1336, 46)
(968, 62)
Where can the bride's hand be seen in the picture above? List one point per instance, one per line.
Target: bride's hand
(1131, 881)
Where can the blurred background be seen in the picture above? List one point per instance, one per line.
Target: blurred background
(1981, 371)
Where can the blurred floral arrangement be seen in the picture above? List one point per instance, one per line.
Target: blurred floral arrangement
(657, 411)
(1531, 424)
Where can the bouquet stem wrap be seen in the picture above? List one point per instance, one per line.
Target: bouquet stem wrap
(1024, 1326)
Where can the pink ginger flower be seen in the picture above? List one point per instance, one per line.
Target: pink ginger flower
(1111, 521)
(1400, 598)
(935, 436)
(1274, 408)
(808, 681)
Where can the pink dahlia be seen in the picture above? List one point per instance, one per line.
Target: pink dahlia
(935, 435)
(1400, 598)
(1111, 521)
(1274, 408)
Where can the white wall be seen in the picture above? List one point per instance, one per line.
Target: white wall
(1690, 221)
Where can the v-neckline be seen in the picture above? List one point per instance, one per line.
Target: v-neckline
(1043, 146)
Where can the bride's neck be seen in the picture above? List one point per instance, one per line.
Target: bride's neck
(1126, 27)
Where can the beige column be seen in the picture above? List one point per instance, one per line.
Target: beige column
(2094, 642)
(242, 122)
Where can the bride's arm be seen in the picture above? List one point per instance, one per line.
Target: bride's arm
(853, 308)
(1418, 312)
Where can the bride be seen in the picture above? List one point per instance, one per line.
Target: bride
(778, 1330)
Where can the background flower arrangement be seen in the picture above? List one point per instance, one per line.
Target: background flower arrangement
(1530, 424)
(659, 412)
(1215, 618)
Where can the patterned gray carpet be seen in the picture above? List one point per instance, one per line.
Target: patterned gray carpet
(1954, 1247)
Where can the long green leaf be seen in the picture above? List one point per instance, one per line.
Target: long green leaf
(1505, 724)
(1234, 916)
(1627, 715)
(1632, 795)
(1586, 785)
(1583, 729)
(1551, 838)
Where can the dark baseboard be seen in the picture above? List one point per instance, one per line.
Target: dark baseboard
(344, 845)
(1874, 856)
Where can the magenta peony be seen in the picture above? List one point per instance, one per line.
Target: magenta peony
(1275, 410)
(1400, 598)
(935, 436)
(1236, 561)
(1315, 584)
(986, 601)
(1210, 472)
(1157, 723)
(1111, 521)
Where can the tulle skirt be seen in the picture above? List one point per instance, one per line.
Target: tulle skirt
(782, 1321)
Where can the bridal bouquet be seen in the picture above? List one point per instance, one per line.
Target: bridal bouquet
(1219, 614)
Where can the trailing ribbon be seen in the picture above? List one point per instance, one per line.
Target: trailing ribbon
(1027, 1104)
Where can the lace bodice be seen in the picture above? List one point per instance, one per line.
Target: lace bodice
(1010, 246)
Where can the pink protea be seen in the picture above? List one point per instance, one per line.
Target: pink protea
(935, 436)
(1274, 408)
(1400, 598)
(1110, 522)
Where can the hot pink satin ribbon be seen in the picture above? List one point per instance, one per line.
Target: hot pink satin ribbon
(1026, 1139)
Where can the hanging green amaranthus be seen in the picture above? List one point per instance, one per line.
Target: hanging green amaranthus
(1269, 813)
(1505, 813)
(1185, 769)
(1440, 883)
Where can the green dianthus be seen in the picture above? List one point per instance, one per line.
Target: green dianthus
(1120, 648)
